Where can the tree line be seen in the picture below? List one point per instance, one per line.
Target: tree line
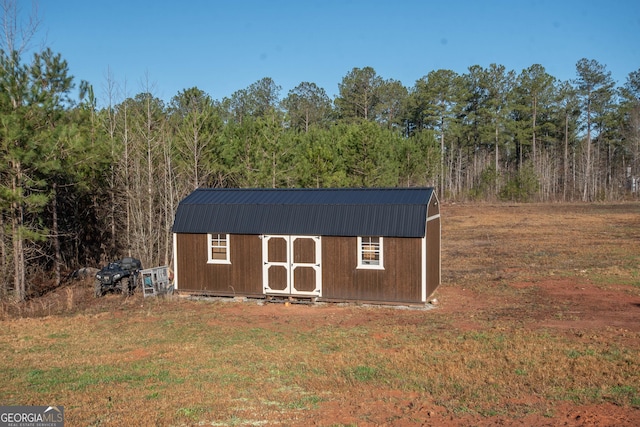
(81, 185)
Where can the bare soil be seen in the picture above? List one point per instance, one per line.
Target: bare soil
(570, 269)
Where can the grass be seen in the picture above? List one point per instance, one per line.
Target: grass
(179, 362)
(468, 372)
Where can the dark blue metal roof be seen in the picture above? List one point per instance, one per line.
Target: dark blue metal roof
(397, 212)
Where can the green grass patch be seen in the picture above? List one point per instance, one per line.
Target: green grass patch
(361, 373)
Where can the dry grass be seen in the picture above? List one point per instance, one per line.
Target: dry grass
(177, 362)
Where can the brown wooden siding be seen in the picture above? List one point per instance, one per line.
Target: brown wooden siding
(277, 250)
(398, 282)
(305, 279)
(304, 250)
(242, 277)
(277, 278)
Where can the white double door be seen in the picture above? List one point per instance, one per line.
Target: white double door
(291, 265)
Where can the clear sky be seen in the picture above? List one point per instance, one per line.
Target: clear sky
(221, 46)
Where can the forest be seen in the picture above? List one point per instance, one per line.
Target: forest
(86, 180)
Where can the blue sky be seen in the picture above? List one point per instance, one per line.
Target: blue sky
(224, 46)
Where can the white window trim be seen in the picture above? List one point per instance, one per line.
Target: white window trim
(210, 260)
(380, 265)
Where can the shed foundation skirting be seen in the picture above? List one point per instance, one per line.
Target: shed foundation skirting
(205, 293)
(374, 302)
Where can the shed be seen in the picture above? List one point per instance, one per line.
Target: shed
(378, 245)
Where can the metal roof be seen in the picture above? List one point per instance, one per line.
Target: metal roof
(392, 212)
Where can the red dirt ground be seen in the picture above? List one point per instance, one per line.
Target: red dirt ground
(567, 304)
(586, 308)
(589, 308)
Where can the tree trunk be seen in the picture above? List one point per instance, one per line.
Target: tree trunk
(533, 142)
(19, 280)
(587, 170)
(169, 197)
(441, 158)
(273, 170)
(56, 235)
(565, 175)
(127, 183)
(497, 164)
(150, 184)
(3, 259)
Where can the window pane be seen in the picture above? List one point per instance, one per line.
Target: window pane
(218, 247)
(370, 250)
(218, 253)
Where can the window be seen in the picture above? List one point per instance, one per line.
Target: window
(370, 252)
(218, 245)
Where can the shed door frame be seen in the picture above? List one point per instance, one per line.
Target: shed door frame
(290, 266)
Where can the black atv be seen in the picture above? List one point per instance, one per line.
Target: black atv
(120, 275)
